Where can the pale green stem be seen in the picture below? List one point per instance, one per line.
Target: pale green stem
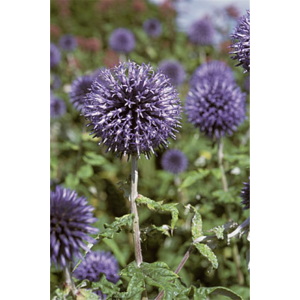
(69, 281)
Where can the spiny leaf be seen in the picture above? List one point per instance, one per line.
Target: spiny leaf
(196, 223)
(202, 293)
(219, 232)
(207, 252)
(160, 207)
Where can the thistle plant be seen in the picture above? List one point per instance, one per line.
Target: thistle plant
(152, 27)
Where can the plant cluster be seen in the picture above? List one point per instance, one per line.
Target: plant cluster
(150, 183)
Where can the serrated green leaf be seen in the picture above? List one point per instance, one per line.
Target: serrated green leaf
(219, 232)
(105, 286)
(196, 222)
(223, 196)
(208, 253)
(161, 208)
(202, 293)
(194, 176)
(85, 294)
(94, 159)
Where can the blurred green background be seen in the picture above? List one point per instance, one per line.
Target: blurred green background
(77, 162)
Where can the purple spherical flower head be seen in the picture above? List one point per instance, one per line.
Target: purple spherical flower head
(202, 32)
(94, 265)
(55, 82)
(245, 195)
(70, 219)
(122, 40)
(57, 106)
(241, 42)
(212, 70)
(173, 70)
(135, 111)
(68, 42)
(216, 107)
(174, 161)
(54, 55)
(80, 87)
(152, 27)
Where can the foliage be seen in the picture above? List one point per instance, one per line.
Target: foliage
(177, 211)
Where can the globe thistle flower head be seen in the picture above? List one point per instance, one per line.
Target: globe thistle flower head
(174, 161)
(241, 42)
(80, 87)
(245, 195)
(57, 106)
(68, 42)
(202, 32)
(135, 111)
(55, 55)
(211, 71)
(55, 82)
(173, 70)
(70, 219)
(152, 27)
(216, 107)
(122, 40)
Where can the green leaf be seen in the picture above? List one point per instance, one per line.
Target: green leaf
(202, 293)
(94, 159)
(196, 222)
(219, 232)
(207, 252)
(193, 177)
(105, 286)
(71, 181)
(85, 294)
(161, 208)
(224, 197)
(85, 171)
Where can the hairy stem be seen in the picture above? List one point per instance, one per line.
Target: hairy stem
(136, 226)
(69, 281)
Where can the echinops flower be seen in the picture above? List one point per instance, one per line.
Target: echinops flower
(68, 42)
(173, 70)
(70, 219)
(215, 106)
(245, 195)
(135, 111)
(80, 87)
(95, 264)
(211, 71)
(55, 55)
(122, 40)
(57, 106)
(152, 27)
(174, 161)
(241, 42)
(202, 32)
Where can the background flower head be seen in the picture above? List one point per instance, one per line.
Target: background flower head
(136, 110)
(68, 42)
(202, 32)
(217, 107)
(122, 40)
(173, 70)
(80, 87)
(55, 55)
(70, 219)
(211, 71)
(57, 106)
(97, 263)
(152, 27)
(174, 161)
(245, 195)
(241, 42)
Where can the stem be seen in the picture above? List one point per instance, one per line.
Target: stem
(180, 266)
(136, 226)
(69, 281)
(220, 159)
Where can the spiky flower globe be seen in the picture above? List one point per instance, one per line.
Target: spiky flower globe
(202, 32)
(245, 195)
(217, 107)
(135, 111)
(80, 87)
(95, 264)
(152, 27)
(57, 106)
(68, 42)
(174, 161)
(173, 70)
(211, 71)
(55, 55)
(70, 219)
(241, 42)
(122, 40)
